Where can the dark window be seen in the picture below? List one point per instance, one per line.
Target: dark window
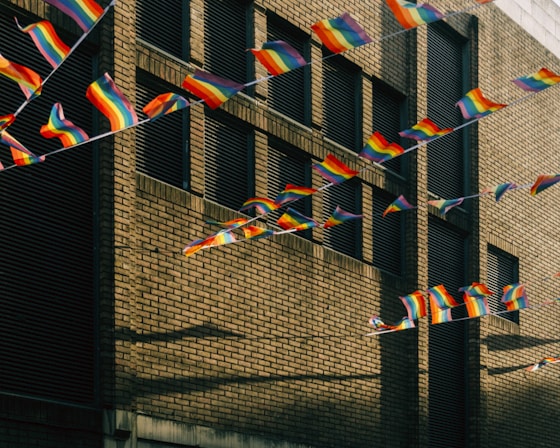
(346, 237)
(229, 161)
(502, 271)
(289, 93)
(342, 99)
(164, 27)
(387, 234)
(162, 145)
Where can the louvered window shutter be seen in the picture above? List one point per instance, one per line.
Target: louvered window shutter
(164, 27)
(447, 352)
(229, 166)
(161, 146)
(502, 271)
(387, 234)
(47, 334)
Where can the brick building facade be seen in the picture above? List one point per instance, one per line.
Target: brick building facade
(111, 337)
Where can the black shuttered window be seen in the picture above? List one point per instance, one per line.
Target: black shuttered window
(502, 270)
(387, 234)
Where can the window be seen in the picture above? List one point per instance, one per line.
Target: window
(229, 161)
(342, 99)
(389, 118)
(166, 28)
(502, 270)
(161, 146)
(387, 234)
(346, 237)
(289, 94)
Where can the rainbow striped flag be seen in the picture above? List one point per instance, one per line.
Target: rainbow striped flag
(500, 190)
(263, 205)
(164, 104)
(23, 158)
(415, 304)
(29, 80)
(340, 216)
(334, 170)
(111, 102)
(444, 205)
(53, 49)
(425, 129)
(440, 316)
(543, 182)
(517, 304)
(84, 12)
(292, 193)
(294, 220)
(476, 290)
(441, 298)
(378, 325)
(196, 245)
(536, 82)
(9, 140)
(379, 150)
(210, 88)
(398, 205)
(513, 292)
(231, 224)
(59, 127)
(341, 33)
(475, 105)
(404, 324)
(543, 362)
(476, 306)
(6, 120)
(411, 15)
(255, 233)
(278, 57)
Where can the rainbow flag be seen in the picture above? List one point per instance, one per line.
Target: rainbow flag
(341, 33)
(334, 170)
(6, 120)
(196, 245)
(292, 193)
(255, 233)
(379, 150)
(29, 81)
(415, 304)
(411, 15)
(440, 316)
(59, 127)
(164, 104)
(278, 57)
(476, 290)
(23, 158)
(441, 298)
(513, 292)
(47, 41)
(340, 216)
(500, 190)
(9, 140)
(111, 102)
(444, 205)
(263, 205)
(426, 130)
(378, 325)
(294, 220)
(536, 82)
(517, 304)
(84, 12)
(543, 182)
(543, 362)
(404, 324)
(476, 306)
(475, 105)
(210, 88)
(231, 224)
(398, 205)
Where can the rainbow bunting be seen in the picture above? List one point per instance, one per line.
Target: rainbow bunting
(47, 41)
(476, 290)
(441, 298)
(543, 182)
(9, 140)
(515, 297)
(293, 193)
(164, 104)
(378, 325)
(425, 129)
(543, 362)
(6, 120)
(111, 102)
(379, 150)
(341, 33)
(517, 304)
(440, 316)
(404, 324)
(223, 237)
(210, 88)
(255, 233)
(500, 190)
(29, 81)
(415, 304)
(263, 205)
(398, 205)
(334, 170)
(84, 12)
(294, 220)
(23, 159)
(231, 224)
(476, 306)
(340, 216)
(444, 205)
(411, 15)
(537, 81)
(278, 57)
(475, 105)
(59, 127)
(196, 245)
